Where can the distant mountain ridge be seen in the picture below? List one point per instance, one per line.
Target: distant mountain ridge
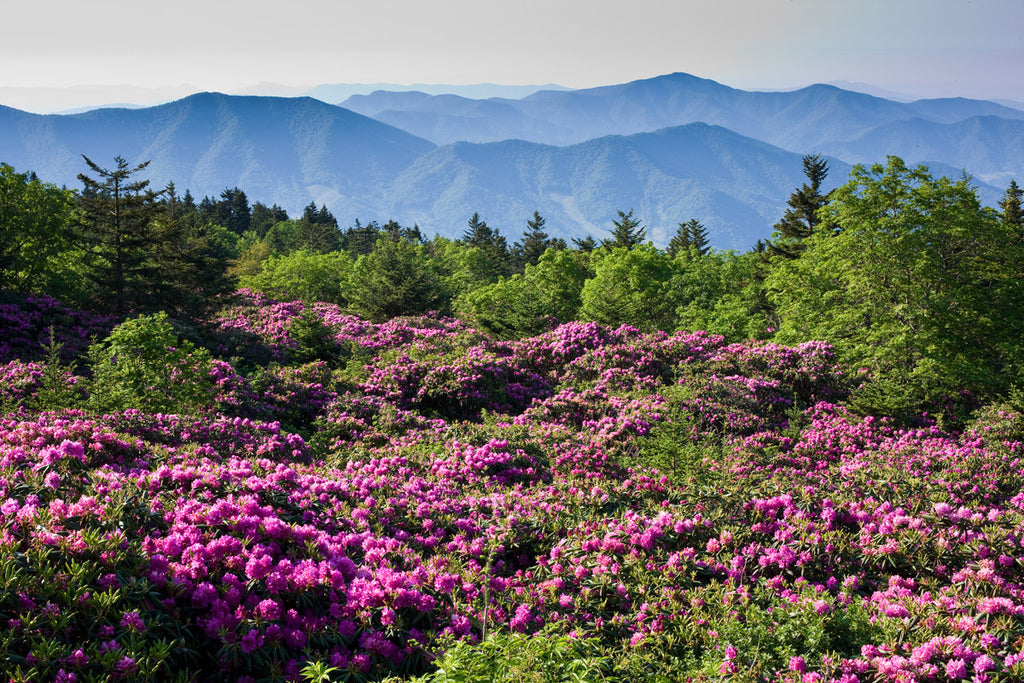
(732, 166)
(735, 185)
(285, 150)
(818, 118)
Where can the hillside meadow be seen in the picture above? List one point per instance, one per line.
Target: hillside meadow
(294, 493)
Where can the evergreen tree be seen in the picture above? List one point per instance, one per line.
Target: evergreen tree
(321, 238)
(318, 230)
(188, 203)
(801, 219)
(479, 234)
(396, 278)
(689, 235)
(585, 244)
(209, 209)
(393, 230)
(325, 217)
(321, 216)
(1010, 204)
(359, 239)
(116, 232)
(534, 243)
(263, 218)
(231, 211)
(192, 269)
(283, 237)
(627, 232)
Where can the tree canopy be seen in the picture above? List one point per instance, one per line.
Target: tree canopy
(913, 281)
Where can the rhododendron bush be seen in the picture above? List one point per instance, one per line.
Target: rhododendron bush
(679, 507)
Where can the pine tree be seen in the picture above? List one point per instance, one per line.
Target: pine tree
(627, 232)
(188, 203)
(801, 219)
(116, 232)
(477, 233)
(192, 266)
(232, 211)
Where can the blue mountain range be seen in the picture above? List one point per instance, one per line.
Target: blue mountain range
(671, 148)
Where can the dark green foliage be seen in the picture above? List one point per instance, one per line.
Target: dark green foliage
(533, 244)
(689, 235)
(314, 339)
(1010, 205)
(283, 237)
(359, 239)
(626, 232)
(586, 244)
(142, 250)
(116, 234)
(263, 218)
(397, 278)
(317, 231)
(479, 234)
(192, 269)
(231, 211)
(801, 219)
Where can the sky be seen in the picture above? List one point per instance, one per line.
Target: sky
(971, 48)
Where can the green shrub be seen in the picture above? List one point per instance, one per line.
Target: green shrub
(518, 658)
(142, 365)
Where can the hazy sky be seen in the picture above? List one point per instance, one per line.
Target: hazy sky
(936, 47)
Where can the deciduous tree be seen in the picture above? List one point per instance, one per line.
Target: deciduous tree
(918, 286)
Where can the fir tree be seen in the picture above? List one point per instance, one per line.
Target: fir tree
(801, 219)
(359, 239)
(263, 218)
(233, 210)
(627, 232)
(318, 230)
(116, 232)
(1010, 205)
(479, 234)
(534, 243)
(188, 203)
(585, 244)
(689, 235)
